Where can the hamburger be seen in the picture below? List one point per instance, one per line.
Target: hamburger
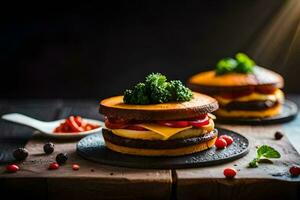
(159, 118)
(243, 89)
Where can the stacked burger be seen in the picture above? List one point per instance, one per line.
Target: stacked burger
(159, 118)
(243, 89)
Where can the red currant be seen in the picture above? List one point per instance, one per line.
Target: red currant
(53, 166)
(295, 170)
(75, 167)
(227, 138)
(12, 168)
(220, 143)
(229, 172)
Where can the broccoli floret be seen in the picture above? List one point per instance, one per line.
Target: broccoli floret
(241, 64)
(226, 65)
(138, 95)
(245, 64)
(179, 91)
(157, 87)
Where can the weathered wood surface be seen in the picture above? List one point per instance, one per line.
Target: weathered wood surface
(105, 181)
(95, 181)
(92, 181)
(268, 180)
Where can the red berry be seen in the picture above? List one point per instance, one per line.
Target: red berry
(295, 170)
(75, 167)
(229, 172)
(227, 138)
(53, 166)
(220, 143)
(12, 168)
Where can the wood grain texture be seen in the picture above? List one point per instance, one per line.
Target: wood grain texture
(92, 181)
(107, 182)
(265, 181)
(13, 135)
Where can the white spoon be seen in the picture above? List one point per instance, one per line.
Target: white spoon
(48, 127)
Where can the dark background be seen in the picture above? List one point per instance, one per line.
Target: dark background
(94, 51)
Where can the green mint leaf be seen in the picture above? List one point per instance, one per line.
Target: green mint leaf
(267, 152)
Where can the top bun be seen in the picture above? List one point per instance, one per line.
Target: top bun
(260, 76)
(114, 107)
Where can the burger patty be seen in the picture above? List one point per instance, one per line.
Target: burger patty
(157, 144)
(249, 105)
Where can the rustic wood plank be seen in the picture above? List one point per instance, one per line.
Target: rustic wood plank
(105, 181)
(265, 181)
(13, 135)
(93, 180)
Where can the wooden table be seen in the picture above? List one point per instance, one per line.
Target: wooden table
(96, 181)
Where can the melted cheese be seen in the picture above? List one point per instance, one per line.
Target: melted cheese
(160, 132)
(134, 134)
(165, 131)
(278, 95)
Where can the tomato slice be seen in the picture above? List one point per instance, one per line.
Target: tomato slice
(122, 124)
(174, 124)
(135, 127)
(199, 122)
(111, 125)
(265, 89)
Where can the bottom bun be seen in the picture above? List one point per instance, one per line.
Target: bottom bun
(270, 112)
(162, 152)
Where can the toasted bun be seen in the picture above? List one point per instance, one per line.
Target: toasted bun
(270, 112)
(162, 152)
(208, 82)
(200, 104)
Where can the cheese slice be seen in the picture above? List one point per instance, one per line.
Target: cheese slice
(164, 131)
(278, 95)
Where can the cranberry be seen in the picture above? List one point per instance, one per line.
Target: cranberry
(220, 143)
(295, 170)
(75, 167)
(229, 172)
(53, 166)
(12, 168)
(227, 138)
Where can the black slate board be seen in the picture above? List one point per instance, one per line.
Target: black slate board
(93, 148)
(288, 113)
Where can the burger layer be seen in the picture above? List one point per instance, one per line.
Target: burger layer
(157, 144)
(200, 104)
(160, 132)
(249, 105)
(276, 96)
(162, 152)
(269, 112)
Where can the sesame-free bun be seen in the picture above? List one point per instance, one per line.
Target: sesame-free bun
(114, 107)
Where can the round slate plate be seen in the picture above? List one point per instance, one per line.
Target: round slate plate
(93, 148)
(288, 113)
